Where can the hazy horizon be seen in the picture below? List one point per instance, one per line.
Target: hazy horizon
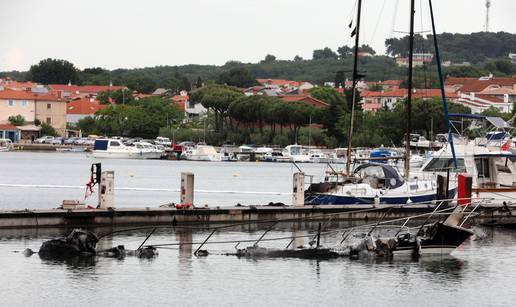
(132, 34)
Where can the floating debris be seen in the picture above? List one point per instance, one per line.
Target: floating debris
(76, 243)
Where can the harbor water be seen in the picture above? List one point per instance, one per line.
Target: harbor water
(41, 180)
(481, 272)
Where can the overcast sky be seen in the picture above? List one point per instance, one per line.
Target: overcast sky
(130, 33)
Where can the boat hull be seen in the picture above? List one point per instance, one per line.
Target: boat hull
(332, 199)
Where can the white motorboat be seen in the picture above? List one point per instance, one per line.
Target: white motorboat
(317, 156)
(114, 148)
(6, 145)
(493, 170)
(201, 153)
(275, 156)
(245, 152)
(153, 151)
(296, 153)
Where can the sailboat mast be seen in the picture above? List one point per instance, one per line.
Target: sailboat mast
(409, 96)
(441, 85)
(353, 88)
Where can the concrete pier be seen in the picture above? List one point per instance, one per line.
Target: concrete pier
(172, 216)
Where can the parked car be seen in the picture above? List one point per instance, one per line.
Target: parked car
(79, 141)
(57, 141)
(71, 141)
(47, 139)
(163, 141)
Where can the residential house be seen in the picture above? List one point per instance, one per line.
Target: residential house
(478, 103)
(418, 59)
(8, 131)
(52, 111)
(191, 108)
(285, 85)
(14, 103)
(46, 108)
(305, 98)
(512, 57)
(8, 83)
(80, 108)
(490, 90)
(374, 101)
(70, 90)
(389, 85)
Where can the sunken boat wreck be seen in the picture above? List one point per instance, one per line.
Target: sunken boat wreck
(83, 244)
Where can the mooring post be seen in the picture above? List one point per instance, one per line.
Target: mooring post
(187, 189)
(107, 190)
(298, 193)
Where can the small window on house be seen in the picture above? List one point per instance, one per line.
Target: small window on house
(49, 106)
(49, 121)
(24, 103)
(10, 103)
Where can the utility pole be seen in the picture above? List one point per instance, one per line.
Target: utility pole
(488, 5)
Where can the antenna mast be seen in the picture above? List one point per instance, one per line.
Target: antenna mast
(488, 5)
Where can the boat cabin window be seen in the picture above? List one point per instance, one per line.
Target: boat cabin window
(482, 165)
(295, 150)
(114, 143)
(100, 145)
(443, 164)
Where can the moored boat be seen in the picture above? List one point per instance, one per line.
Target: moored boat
(114, 148)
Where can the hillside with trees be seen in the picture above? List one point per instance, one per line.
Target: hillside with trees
(485, 51)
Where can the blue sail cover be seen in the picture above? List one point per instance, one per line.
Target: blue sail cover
(383, 171)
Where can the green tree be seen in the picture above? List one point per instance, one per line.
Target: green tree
(87, 125)
(50, 71)
(17, 120)
(329, 116)
(218, 98)
(198, 84)
(141, 84)
(269, 58)
(239, 77)
(47, 129)
(325, 53)
(123, 96)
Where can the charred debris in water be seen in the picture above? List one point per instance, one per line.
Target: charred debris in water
(442, 231)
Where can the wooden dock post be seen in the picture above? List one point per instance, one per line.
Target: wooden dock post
(187, 188)
(107, 190)
(298, 193)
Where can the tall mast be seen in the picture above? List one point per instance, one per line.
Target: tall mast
(409, 96)
(353, 88)
(441, 85)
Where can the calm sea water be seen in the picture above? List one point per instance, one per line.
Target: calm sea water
(65, 175)
(480, 273)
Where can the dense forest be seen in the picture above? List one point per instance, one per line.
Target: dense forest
(485, 51)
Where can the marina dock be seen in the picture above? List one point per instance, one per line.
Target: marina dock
(206, 216)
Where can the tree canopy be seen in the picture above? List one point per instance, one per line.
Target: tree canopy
(50, 71)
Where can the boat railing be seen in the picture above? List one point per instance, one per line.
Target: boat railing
(406, 220)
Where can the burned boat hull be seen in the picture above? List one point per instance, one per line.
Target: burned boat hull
(439, 239)
(302, 253)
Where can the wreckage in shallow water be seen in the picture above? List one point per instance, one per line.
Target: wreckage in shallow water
(383, 240)
(82, 243)
(77, 243)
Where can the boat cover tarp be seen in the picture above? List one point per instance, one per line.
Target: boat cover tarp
(383, 171)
